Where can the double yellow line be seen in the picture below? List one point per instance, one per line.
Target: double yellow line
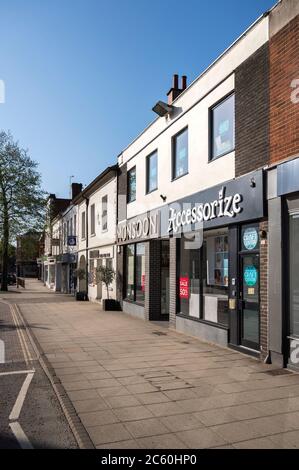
(19, 327)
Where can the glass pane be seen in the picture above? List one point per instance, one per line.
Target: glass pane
(132, 185)
(140, 272)
(251, 278)
(251, 325)
(152, 172)
(130, 272)
(181, 154)
(294, 275)
(250, 238)
(215, 279)
(165, 277)
(223, 127)
(189, 279)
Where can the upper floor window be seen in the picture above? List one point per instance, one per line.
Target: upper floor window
(104, 213)
(151, 172)
(132, 185)
(92, 220)
(180, 154)
(83, 227)
(222, 127)
(75, 225)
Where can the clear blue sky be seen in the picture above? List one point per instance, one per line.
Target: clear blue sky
(82, 75)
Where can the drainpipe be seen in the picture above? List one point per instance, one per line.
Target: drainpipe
(86, 242)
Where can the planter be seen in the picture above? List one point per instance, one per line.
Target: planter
(81, 296)
(110, 305)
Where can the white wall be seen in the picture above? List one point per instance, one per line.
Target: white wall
(210, 87)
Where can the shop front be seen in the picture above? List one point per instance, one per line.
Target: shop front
(196, 262)
(283, 201)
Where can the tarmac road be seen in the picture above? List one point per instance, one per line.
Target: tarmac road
(30, 414)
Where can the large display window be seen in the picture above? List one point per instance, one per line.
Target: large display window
(135, 272)
(203, 278)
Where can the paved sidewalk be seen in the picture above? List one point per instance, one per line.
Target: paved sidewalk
(137, 384)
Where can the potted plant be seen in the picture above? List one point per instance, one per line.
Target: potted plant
(80, 274)
(106, 275)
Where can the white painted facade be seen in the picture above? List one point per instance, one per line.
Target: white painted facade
(101, 241)
(192, 111)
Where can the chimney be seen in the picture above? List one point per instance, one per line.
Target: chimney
(175, 91)
(76, 189)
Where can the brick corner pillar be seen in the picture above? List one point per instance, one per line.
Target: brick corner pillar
(264, 304)
(172, 281)
(152, 304)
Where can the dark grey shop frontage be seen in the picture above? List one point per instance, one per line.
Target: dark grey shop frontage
(283, 208)
(196, 263)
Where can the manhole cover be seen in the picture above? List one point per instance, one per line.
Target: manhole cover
(159, 333)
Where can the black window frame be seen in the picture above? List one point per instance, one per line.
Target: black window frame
(147, 173)
(142, 303)
(104, 213)
(174, 177)
(92, 220)
(129, 200)
(211, 127)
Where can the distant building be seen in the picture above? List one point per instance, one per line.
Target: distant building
(28, 250)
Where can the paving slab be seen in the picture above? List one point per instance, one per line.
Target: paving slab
(133, 388)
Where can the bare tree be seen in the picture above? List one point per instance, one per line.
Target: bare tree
(22, 201)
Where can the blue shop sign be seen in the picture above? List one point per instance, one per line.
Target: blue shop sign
(250, 276)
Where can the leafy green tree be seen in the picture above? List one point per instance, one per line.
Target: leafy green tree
(106, 275)
(22, 201)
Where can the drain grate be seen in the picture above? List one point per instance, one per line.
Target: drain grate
(159, 333)
(278, 372)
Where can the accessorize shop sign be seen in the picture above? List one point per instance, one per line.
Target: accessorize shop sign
(224, 206)
(235, 201)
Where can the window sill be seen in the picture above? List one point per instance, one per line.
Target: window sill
(178, 177)
(151, 191)
(213, 159)
(140, 304)
(205, 322)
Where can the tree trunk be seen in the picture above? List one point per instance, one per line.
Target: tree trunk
(5, 242)
(107, 287)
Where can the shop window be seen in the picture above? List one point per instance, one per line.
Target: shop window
(75, 225)
(92, 272)
(180, 154)
(104, 213)
(203, 279)
(215, 279)
(92, 220)
(132, 185)
(152, 172)
(135, 272)
(222, 127)
(140, 271)
(189, 279)
(83, 228)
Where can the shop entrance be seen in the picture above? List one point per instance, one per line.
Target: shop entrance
(249, 305)
(165, 279)
(293, 290)
(249, 288)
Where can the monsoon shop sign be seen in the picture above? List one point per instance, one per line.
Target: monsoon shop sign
(140, 228)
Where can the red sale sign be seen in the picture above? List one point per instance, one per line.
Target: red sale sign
(184, 287)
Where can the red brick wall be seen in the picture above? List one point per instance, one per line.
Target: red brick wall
(264, 325)
(284, 114)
